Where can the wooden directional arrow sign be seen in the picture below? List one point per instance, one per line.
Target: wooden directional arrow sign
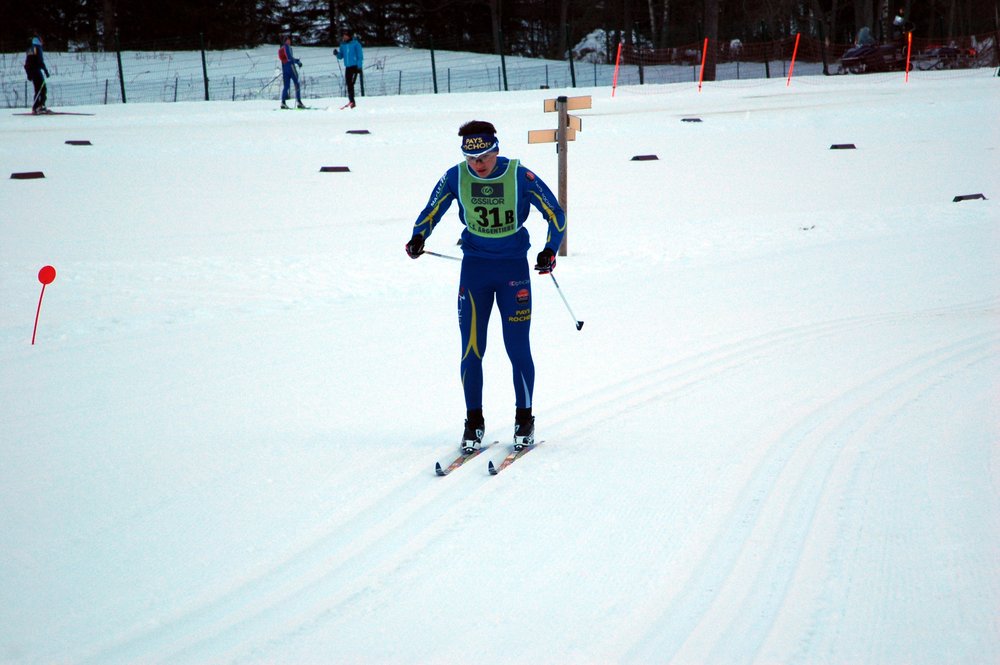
(549, 135)
(572, 104)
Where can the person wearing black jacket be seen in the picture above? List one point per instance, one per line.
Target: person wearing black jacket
(34, 66)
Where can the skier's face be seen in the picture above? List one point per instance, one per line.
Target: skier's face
(483, 165)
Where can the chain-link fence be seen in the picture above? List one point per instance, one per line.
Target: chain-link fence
(168, 75)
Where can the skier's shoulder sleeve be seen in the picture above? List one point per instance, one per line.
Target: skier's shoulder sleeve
(542, 198)
(442, 196)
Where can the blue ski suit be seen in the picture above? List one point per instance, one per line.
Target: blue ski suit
(288, 73)
(494, 264)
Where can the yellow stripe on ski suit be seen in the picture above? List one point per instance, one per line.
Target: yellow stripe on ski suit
(550, 215)
(473, 339)
(429, 219)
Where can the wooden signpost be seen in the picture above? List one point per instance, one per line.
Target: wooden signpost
(565, 131)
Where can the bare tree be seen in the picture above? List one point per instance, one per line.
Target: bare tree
(712, 32)
(109, 25)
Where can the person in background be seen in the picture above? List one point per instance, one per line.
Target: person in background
(899, 25)
(289, 73)
(352, 54)
(494, 196)
(34, 67)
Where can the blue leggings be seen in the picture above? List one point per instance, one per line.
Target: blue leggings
(291, 75)
(508, 282)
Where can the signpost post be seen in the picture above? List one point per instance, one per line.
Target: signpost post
(566, 130)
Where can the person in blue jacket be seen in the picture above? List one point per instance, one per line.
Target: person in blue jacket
(34, 66)
(352, 54)
(494, 196)
(288, 72)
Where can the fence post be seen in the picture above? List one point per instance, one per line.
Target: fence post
(204, 67)
(503, 63)
(121, 72)
(434, 72)
(767, 55)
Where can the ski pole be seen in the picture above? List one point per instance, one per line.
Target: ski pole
(263, 87)
(343, 84)
(441, 256)
(37, 94)
(579, 324)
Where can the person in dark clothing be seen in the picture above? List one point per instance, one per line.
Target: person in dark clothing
(34, 67)
(352, 54)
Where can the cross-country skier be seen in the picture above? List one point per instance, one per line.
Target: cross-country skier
(289, 73)
(493, 194)
(34, 66)
(352, 54)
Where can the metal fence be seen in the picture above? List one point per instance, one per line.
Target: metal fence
(88, 78)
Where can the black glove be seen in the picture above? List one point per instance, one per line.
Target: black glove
(546, 261)
(336, 51)
(415, 247)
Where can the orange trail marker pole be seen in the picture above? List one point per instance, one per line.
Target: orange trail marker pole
(909, 45)
(46, 276)
(795, 53)
(618, 59)
(704, 52)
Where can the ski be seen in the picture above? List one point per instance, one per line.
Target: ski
(512, 457)
(47, 112)
(460, 460)
(346, 106)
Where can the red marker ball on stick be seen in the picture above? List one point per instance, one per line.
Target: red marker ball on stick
(46, 276)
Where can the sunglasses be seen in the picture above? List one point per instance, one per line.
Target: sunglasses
(479, 159)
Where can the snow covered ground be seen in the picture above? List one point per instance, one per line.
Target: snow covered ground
(775, 440)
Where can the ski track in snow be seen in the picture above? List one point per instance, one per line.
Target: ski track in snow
(777, 503)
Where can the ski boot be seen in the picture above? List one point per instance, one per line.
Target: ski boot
(475, 427)
(524, 429)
